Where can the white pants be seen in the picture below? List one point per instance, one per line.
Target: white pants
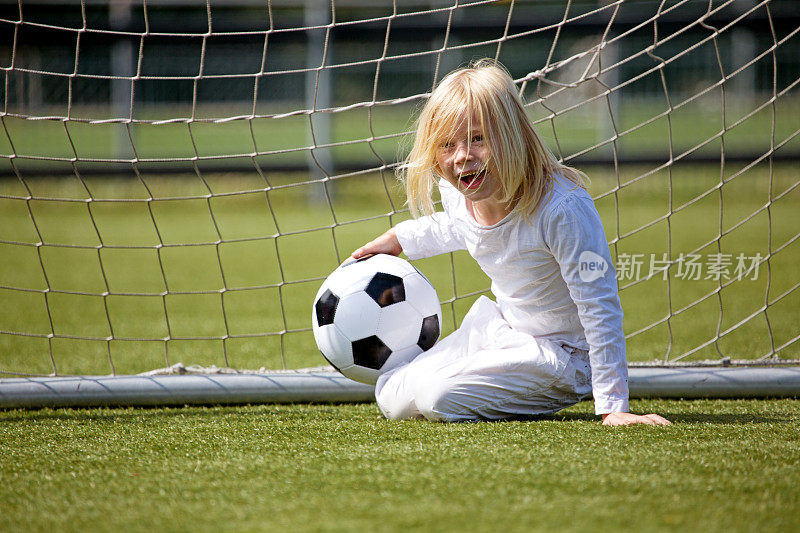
(486, 370)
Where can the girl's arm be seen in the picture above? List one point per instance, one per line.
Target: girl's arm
(422, 237)
(574, 233)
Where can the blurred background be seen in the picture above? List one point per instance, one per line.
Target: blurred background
(158, 60)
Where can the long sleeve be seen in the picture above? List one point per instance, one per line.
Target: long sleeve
(428, 236)
(434, 234)
(574, 233)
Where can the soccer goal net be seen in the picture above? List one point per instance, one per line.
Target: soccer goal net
(177, 179)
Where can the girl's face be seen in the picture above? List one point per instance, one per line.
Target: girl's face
(463, 161)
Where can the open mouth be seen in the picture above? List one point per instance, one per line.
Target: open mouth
(472, 180)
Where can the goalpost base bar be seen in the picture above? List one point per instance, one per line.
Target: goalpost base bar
(191, 389)
(216, 389)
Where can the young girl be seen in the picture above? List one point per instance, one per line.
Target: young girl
(554, 335)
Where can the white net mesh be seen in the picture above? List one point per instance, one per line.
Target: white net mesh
(177, 179)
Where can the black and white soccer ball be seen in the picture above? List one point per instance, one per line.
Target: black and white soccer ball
(374, 314)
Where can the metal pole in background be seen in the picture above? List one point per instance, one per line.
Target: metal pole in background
(330, 386)
(318, 93)
(122, 60)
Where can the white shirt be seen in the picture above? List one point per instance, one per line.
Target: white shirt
(552, 276)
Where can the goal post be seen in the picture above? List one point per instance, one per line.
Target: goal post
(176, 180)
(325, 385)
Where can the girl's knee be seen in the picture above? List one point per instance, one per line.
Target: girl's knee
(392, 408)
(438, 402)
(393, 403)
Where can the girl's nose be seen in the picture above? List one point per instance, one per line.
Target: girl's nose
(462, 153)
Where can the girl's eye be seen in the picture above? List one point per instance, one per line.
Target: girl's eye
(477, 138)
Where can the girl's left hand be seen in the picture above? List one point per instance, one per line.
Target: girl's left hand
(626, 419)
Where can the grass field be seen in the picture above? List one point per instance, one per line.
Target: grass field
(116, 274)
(725, 465)
(130, 247)
(122, 273)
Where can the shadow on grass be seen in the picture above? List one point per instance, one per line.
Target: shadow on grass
(683, 418)
(674, 417)
(723, 418)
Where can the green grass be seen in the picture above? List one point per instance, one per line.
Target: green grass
(99, 279)
(110, 244)
(725, 465)
(226, 271)
(113, 266)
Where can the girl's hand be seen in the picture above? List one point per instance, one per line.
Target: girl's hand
(385, 244)
(626, 419)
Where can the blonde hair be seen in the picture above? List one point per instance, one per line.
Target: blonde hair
(523, 165)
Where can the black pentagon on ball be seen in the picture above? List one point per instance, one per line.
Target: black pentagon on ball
(386, 289)
(430, 332)
(370, 352)
(326, 308)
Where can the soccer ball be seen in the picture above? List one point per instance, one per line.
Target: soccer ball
(374, 314)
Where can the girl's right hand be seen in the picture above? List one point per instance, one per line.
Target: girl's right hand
(385, 244)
